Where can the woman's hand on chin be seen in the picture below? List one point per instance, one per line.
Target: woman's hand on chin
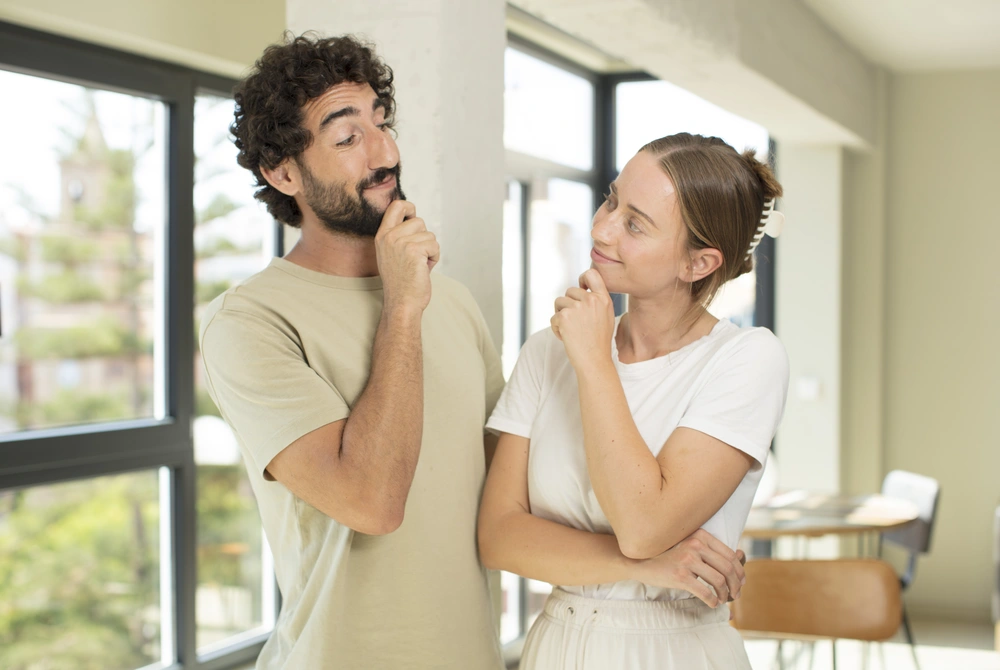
(585, 320)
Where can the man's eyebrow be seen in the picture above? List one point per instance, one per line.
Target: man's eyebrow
(333, 116)
(378, 103)
(614, 191)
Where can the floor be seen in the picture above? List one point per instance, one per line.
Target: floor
(941, 645)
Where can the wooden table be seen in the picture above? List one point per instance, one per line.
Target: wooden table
(813, 515)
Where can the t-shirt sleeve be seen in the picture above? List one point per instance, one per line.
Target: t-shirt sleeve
(518, 405)
(260, 381)
(743, 397)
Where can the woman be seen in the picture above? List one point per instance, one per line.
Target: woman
(621, 438)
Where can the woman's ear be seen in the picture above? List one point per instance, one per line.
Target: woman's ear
(703, 263)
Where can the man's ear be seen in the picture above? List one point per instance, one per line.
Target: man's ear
(703, 263)
(287, 177)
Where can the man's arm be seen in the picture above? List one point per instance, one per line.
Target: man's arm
(358, 471)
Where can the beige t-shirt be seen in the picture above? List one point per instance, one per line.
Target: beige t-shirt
(289, 351)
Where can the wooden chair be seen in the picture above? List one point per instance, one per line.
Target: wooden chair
(856, 599)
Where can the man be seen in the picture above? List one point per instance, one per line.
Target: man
(356, 381)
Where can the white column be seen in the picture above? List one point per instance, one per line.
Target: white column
(447, 56)
(808, 315)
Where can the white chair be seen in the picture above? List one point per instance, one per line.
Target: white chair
(915, 538)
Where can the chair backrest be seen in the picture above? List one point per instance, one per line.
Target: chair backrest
(922, 492)
(856, 599)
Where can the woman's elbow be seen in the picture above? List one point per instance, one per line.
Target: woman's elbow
(638, 546)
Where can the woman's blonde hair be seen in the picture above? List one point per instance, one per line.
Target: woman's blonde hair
(722, 194)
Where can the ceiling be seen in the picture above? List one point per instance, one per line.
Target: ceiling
(909, 35)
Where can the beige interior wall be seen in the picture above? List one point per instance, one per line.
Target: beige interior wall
(863, 305)
(220, 36)
(942, 310)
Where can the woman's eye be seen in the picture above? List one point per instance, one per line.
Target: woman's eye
(634, 228)
(609, 202)
(348, 142)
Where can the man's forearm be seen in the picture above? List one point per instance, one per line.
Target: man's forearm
(381, 440)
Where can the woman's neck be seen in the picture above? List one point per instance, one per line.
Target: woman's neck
(650, 330)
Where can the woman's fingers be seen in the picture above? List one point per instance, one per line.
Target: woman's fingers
(726, 568)
(715, 579)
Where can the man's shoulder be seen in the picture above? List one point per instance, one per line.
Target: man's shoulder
(254, 296)
(453, 293)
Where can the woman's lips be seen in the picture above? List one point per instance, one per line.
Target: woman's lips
(598, 257)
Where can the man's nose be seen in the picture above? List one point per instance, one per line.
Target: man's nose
(384, 152)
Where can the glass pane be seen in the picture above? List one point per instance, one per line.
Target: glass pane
(635, 126)
(80, 575)
(559, 237)
(538, 592)
(82, 217)
(636, 122)
(548, 112)
(233, 240)
(510, 607)
(512, 275)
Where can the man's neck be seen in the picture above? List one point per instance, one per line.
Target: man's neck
(332, 253)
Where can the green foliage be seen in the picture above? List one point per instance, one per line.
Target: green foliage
(70, 407)
(204, 405)
(13, 247)
(117, 210)
(65, 287)
(79, 576)
(229, 537)
(207, 291)
(105, 337)
(68, 250)
(220, 206)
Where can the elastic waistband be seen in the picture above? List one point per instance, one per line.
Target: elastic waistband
(660, 615)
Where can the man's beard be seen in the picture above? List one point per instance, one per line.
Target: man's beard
(343, 212)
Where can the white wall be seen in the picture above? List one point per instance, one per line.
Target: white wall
(771, 61)
(224, 38)
(808, 315)
(447, 56)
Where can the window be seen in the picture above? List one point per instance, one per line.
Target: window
(81, 250)
(550, 118)
(233, 239)
(82, 574)
(129, 536)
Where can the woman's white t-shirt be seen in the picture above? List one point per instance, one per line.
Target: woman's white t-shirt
(730, 384)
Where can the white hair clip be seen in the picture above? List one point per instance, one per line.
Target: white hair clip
(771, 223)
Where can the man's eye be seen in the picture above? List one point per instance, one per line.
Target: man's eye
(348, 142)
(609, 202)
(383, 126)
(634, 228)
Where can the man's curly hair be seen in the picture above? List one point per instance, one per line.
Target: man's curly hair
(269, 103)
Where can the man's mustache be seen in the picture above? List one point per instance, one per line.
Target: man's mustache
(379, 176)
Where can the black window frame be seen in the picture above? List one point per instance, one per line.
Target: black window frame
(40, 457)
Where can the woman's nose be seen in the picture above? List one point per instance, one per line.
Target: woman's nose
(601, 231)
